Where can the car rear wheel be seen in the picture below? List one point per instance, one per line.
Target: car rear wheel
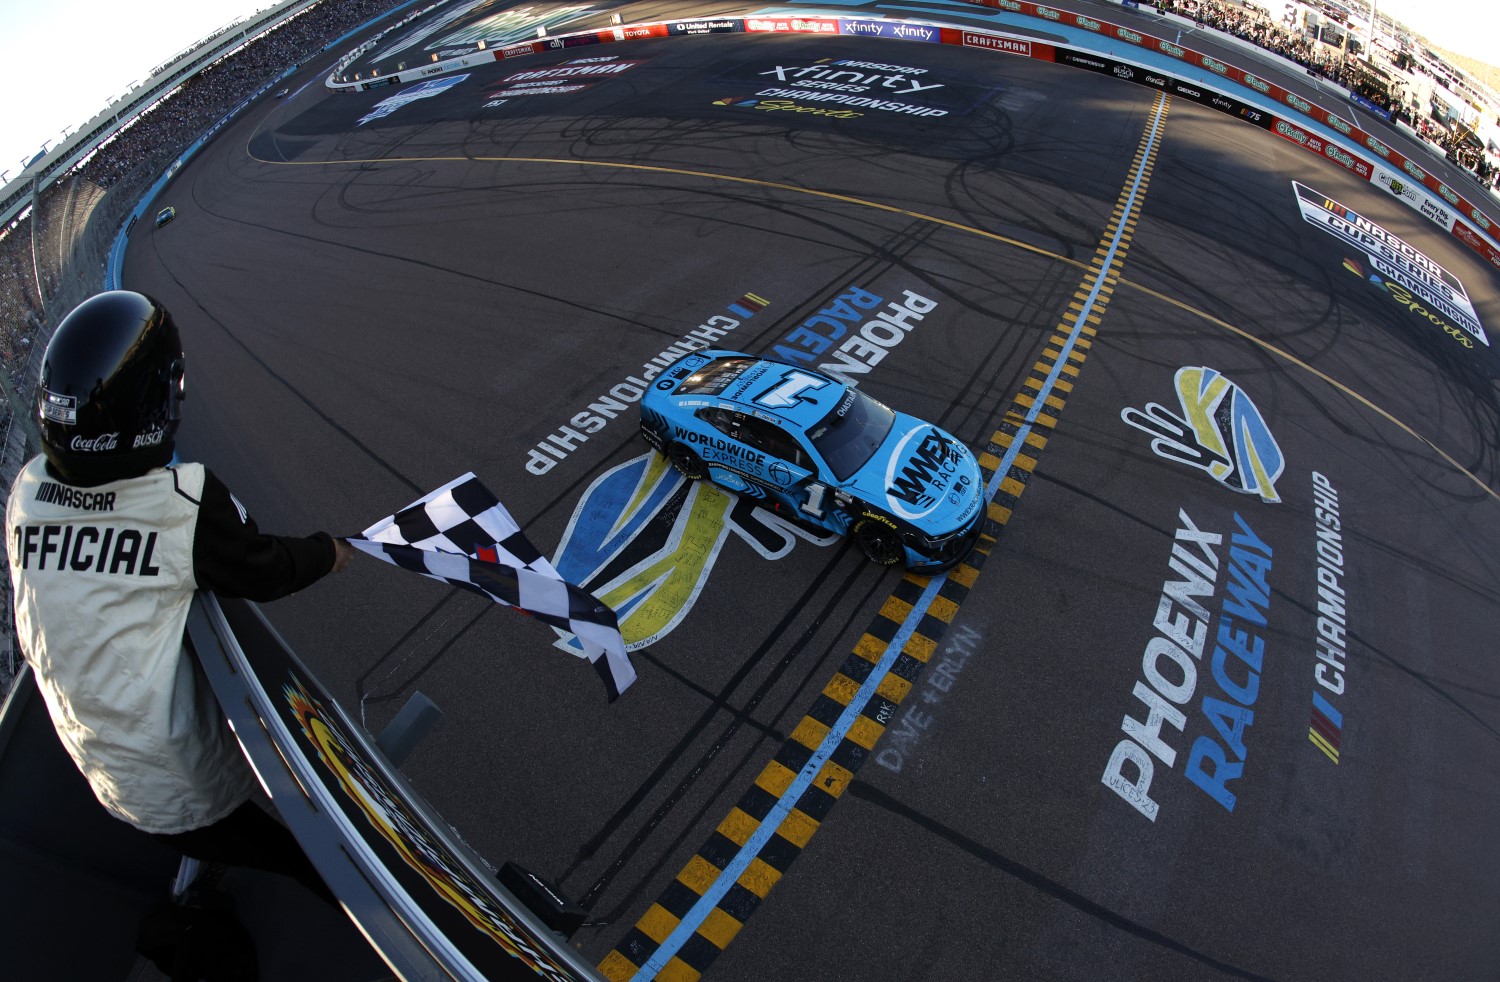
(688, 464)
(878, 541)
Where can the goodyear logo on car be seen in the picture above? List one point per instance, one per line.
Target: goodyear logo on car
(1220, 432)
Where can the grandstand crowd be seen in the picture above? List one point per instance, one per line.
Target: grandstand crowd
(133, 160)
(1255, 25)
(138, 155)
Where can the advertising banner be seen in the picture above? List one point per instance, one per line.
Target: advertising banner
(1003, 43)
(1313, 143)
(1470, 238)
(727, 25)
(1405, 189)
(638, 31)
(1164, 82)
(1369, 106)
(518, 50)
(894, 30)
(792, 25)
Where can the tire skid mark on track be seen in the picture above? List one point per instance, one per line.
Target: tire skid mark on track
(958, 226)
(706, 175)
(707, 904)
(296, 392)
(740, 717)
(875, 258)
(1323, 377)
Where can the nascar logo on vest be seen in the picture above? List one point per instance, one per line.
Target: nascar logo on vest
(461, 534)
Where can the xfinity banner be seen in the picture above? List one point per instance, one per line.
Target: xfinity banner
(853, 88)
(1393, 258)
(893, 29)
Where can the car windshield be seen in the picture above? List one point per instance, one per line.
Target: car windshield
(714, 377)
(851, 433)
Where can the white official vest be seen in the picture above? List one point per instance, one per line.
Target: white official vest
(102, 580)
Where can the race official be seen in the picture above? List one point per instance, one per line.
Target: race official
(108, 540)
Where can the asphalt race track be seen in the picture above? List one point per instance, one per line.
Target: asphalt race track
(375, 302)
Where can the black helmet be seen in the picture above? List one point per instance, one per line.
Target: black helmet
(111, 388)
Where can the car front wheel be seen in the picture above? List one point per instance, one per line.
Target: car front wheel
(879, 542)
(688, 464)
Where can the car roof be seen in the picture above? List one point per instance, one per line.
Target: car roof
(740, 380)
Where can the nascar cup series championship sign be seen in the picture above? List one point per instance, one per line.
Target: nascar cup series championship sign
(1393, 258)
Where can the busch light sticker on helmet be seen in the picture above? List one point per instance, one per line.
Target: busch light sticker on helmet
(1220, 432)
(150, 438)
(60, 408)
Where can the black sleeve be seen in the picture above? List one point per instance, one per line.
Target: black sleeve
(233, 558)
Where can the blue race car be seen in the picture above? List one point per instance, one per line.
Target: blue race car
(819, 452)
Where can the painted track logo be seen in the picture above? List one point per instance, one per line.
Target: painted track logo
(370, 794)
(787, 106)
(1220, 432)
(644, 540)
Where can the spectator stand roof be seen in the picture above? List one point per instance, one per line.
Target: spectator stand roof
(15, 196)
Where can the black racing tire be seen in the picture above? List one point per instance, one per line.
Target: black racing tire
(688, 463)
(880, 543)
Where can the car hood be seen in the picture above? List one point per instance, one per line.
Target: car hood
(923, 475)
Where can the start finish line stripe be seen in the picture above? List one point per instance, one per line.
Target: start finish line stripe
(706, 905)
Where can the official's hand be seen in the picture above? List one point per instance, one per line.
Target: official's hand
(342, 553)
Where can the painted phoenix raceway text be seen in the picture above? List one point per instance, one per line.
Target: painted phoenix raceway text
(1170, 665)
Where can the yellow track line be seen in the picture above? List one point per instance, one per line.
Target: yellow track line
(1335, 383)
(919, 216)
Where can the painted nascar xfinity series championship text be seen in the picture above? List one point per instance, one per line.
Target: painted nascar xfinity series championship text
(857, 84)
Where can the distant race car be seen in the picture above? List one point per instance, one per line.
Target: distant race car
(282, 93)
(165, 215)
(820, 452)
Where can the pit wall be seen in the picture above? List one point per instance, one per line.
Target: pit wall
(1092, 45)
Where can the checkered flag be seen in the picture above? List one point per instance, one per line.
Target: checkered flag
(462, 535)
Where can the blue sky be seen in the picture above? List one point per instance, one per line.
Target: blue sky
(66, 59)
